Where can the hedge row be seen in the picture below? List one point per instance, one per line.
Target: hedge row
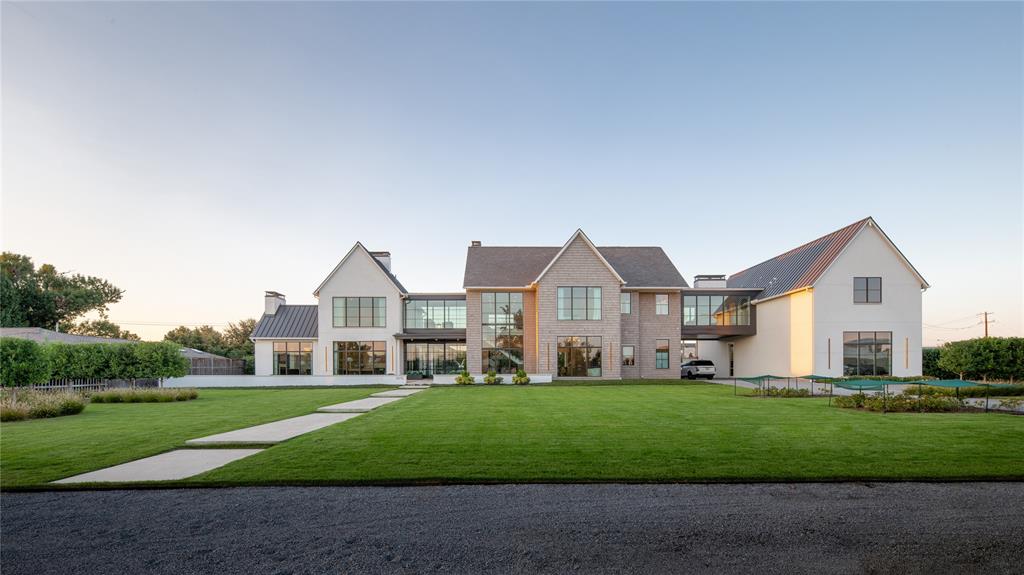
(25, 362)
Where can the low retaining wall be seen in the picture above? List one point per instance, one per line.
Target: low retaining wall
(282, 380)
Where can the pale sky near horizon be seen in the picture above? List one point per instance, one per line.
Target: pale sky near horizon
(196, 154)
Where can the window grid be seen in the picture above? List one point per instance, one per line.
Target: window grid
(867, 290)
(579, 356)
(661, 304)
(579, 303)
(661, 354)
(360, 357)
(293, 357)
(625, 303)
(359, 312)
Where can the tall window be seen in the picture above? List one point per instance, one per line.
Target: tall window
(716, 310)
(434, 358)
(579, 303)
(867, 290)
(360, 311)
(502, 323)
(625, 302)
(360, 357)
(435, 314)
(293, 357)
(661, 304)
(627, 356)
(661, 354)
(867, 352)
(579, 356)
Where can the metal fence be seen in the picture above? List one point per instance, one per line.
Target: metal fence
(83, 385)
(216, 366)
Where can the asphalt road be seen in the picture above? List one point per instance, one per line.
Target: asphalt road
(766, 528)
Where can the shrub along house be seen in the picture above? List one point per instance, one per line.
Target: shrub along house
(848, 302)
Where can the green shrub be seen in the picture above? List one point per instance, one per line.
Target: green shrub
(148, 359)
(492, 377)
(898, 403)
(22, 363)
(788, 392)
(143, 395)
(38, 404)
(464, 378)
(990, 358)
(520, 378)
(1012, 403)
(849, 401)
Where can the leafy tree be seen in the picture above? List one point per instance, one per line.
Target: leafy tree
(22, 363)
(984, 358)
(102, 328)
(147, 359)
(234, 342)
(44, 297)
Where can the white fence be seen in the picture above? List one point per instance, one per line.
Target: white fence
(82, 385)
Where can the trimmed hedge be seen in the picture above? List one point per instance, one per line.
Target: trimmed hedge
(151, 359)
(898, 403)
(22, 362)
(143, 395)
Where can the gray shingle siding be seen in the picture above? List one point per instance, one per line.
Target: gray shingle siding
(290, 321)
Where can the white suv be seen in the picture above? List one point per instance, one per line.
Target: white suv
(697, 368)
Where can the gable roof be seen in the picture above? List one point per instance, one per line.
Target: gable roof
(582, 236)
(359, 246)
(801, 267)
(519, 266)
(290, 321)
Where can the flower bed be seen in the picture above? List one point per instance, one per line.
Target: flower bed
(34, 405)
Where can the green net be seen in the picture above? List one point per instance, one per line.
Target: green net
(956, 383)
(864, 384)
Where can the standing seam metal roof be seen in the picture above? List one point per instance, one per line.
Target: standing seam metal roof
(290, 321)
(797, 268)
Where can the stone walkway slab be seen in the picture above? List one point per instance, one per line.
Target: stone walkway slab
(274, 432)
(397, 393)
(359, 405)
(177, 464)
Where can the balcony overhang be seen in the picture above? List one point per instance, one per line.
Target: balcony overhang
(432, 335)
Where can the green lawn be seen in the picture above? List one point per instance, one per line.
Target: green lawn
(634, 433)
(42, 450)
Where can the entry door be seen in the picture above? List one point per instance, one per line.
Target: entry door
(437, 358)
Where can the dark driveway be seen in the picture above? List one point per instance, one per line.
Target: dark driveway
(779, 528)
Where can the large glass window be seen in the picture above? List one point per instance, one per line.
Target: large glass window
(435, 314)
(360, 312)
(579, 356)
(625, 302)
(867, 352)
(502, 327)
(716, 310)
(661, 354)
(433, 358)
(579, 303)
(661, 304)
(360, 357)
(293, 357)
(867, 290)
(628, 358)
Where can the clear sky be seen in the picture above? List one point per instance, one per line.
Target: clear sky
(196, 154)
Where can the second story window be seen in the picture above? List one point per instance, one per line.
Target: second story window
(579, 303)
(625, 303)
(867, 290)
(435, 314)
(360, 312)
(661, 304)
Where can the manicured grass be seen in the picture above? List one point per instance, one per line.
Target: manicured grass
(627, 432)
(42, 450)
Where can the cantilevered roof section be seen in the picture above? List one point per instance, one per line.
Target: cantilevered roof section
(290, 322)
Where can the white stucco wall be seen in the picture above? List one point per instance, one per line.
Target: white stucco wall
(867, 255)
(359, 276)
(718, 352)
(264, 358)
(782, 345)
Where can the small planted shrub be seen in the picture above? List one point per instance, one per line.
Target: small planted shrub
(898, 403)
(36, 404)
(849, 401)
(464, 379)
(144, 395)
(520, 378)
(492, 377)
(787, 392)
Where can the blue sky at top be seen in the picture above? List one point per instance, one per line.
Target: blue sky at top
(199, 153)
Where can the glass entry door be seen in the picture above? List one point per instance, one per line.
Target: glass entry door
(434, 358)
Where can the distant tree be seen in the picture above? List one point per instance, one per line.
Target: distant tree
(101, 328)
(204, 338)
(984, 358)
(236, 338)
(44, 297)
(930, 364)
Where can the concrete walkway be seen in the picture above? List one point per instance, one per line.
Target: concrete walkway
(359, 405)
(164, 467)
(404, 392)
(274, 432)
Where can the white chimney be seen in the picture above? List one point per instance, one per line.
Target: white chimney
(709, 281)
(384, 258)
(272, 301)
(475, 244)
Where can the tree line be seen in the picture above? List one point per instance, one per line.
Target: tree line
(981, 359)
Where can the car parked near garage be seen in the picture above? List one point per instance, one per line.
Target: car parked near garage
(697, 368)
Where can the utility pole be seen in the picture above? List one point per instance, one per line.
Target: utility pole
(985, 315)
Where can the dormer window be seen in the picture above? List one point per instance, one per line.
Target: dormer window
(867, 290)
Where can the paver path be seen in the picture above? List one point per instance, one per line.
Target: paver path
(274, 432)
(359, 405)
(397, 393)
(164, 467)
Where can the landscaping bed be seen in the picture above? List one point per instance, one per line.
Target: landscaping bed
(144, 395)
(28, 404)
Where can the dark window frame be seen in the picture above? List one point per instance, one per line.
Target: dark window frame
(574, 312)
(866, 293)
(568, 346)
(292, 353)
(867, 348)
(630, 360)
(370, 357)
(505, 354)
(376, 304)
(661, 354)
